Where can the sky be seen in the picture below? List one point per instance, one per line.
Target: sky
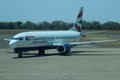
(64, 10)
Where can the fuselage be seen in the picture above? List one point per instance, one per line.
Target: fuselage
(43, 38)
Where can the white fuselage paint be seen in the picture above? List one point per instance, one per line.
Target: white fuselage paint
(43, 38)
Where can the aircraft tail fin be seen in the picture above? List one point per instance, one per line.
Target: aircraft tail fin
(78, 24)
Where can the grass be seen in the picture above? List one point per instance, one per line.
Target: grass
(113, 35)
(111, 32)
(14, 31)
(11, 31)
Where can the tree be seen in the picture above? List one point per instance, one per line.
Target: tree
(28, 25)
(111, 26)
(2, 25)
(96, 25)
(18, 24)
(46, 25)
(60, 25)
(86, 25)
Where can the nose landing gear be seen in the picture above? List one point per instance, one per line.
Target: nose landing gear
(20, 54)
(41, 52)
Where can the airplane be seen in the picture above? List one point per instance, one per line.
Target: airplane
(61, 40)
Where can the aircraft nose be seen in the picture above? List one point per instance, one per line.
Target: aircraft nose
(12, 44)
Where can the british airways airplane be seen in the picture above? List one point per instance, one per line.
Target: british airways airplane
(63, 41)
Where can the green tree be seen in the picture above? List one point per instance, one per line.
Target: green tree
(46, 25)
(96, 25)
(111, 26)
(28, 25)
(86, 25)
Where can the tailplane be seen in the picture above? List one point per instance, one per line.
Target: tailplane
(78, 24)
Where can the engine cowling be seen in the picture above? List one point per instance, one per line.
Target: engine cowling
(64, 48)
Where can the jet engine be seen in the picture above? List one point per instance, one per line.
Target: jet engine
(64, 48)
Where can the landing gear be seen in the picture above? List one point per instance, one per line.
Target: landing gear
(41, 52)
(15, 51)
(66, 53)
(20, 54)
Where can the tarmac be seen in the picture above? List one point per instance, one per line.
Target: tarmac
(86, 63)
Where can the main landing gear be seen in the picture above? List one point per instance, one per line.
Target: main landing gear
(20, 54)
(41, 52)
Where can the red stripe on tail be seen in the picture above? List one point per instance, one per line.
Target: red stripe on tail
(80, 14)
(78, 28)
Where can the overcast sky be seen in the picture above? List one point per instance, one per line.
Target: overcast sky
(65, 10)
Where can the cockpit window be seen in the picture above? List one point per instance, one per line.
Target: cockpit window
(21, 38)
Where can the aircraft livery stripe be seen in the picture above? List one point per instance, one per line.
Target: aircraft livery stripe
(77, 27)
(80, 14)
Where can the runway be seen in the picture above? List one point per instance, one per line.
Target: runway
(85, 63)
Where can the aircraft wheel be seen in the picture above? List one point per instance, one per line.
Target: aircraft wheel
(41, 52)
(15, 51)
(66, 53)
(20, 54)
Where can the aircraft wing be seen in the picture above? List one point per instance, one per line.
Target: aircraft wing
(91, 42)
(96, 32)
(85, 42)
